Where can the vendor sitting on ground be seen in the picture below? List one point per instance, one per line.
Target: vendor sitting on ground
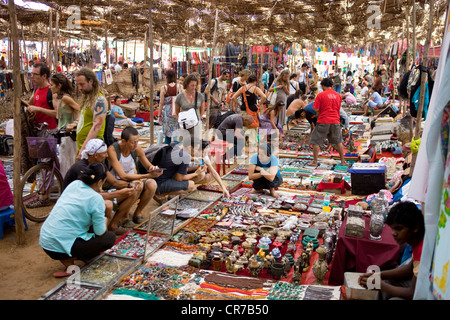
(122, 156)
(119, 116)
(175, 179)
(264, 171)
(65, 235)
(199, 151)
(408, 226)
(125, 193)
(375, 101)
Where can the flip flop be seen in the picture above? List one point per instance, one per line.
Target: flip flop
(62, 274)
(138, 219)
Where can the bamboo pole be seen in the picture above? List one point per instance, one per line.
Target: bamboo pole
(91, 61)
(423, 80)
(134, 54)
(424, 77)
(24, 50)
(145, 48)
(150, 39)
(123, 52)
(50, 40)
(210, 70)
(56, 41)
(106, 46)
(18, 214)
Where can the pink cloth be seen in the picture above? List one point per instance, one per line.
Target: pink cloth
(350, 99)
(6, 196)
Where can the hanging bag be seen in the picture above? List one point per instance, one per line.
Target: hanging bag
(189, 119)
(254, 114)
(174, 113)
(273, 96)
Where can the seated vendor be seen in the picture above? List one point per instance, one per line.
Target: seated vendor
(175, 179)
(408, 227)
(264, 171)
(65, 234)
(375, 101)
(119, 116)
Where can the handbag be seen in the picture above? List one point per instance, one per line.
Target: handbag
(254, 114)
(273, 98)
(173, 112)
(189, 119)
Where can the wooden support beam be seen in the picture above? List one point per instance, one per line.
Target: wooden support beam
(211, 60)
(150, 39)
(18, 214)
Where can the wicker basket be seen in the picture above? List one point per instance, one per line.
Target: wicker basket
(39, 147)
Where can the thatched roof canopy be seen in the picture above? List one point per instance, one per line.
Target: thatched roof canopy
(191, 22)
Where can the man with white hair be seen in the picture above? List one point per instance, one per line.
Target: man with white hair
(126, 193)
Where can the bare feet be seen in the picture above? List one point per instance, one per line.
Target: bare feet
(273, 193)
(312, 164)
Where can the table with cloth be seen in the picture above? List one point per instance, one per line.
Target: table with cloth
(356, 254)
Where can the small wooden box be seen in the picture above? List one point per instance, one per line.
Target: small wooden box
(355, 227)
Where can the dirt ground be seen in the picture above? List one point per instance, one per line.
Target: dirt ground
(26, 271)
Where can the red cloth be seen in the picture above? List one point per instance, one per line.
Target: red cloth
(40, 100)
(143, 115)
(417, 251)
(328, 103)
(6, 196)
(329, 185)
(356, 254)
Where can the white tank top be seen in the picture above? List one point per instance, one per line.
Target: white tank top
(127, 164)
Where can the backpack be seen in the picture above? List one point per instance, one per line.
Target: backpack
(117, 149)
(109, 129)
(222, 118)
(212, 89)
(6, 145)
(49, 98)
(155, 153)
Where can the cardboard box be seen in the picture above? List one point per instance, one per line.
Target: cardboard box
(356, 292)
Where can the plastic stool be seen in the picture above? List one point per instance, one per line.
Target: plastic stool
(222, 148)
(219, 155)
(7, 216)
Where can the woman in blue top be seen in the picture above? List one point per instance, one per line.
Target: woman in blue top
(264, 172)
(65, 234)
(119, 116)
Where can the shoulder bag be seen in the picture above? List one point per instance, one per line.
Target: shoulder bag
(254, 114)
(189, 119)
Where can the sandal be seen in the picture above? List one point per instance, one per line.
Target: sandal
(62, 274)
(128, 224)
(138, 219)
(120, 231)
(37, 203)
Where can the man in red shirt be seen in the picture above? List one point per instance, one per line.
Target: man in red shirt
(41, 98)
(327, 106)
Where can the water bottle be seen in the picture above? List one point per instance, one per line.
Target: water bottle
(326, 200)
(326, 203)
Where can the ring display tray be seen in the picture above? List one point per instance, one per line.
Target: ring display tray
(106, 270)
(133, 243)
(70, 291)
(204, 195)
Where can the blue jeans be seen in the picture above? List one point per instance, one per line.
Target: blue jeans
(338, 88)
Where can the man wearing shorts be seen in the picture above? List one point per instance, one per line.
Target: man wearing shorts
(175, 179)
(327, 106)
